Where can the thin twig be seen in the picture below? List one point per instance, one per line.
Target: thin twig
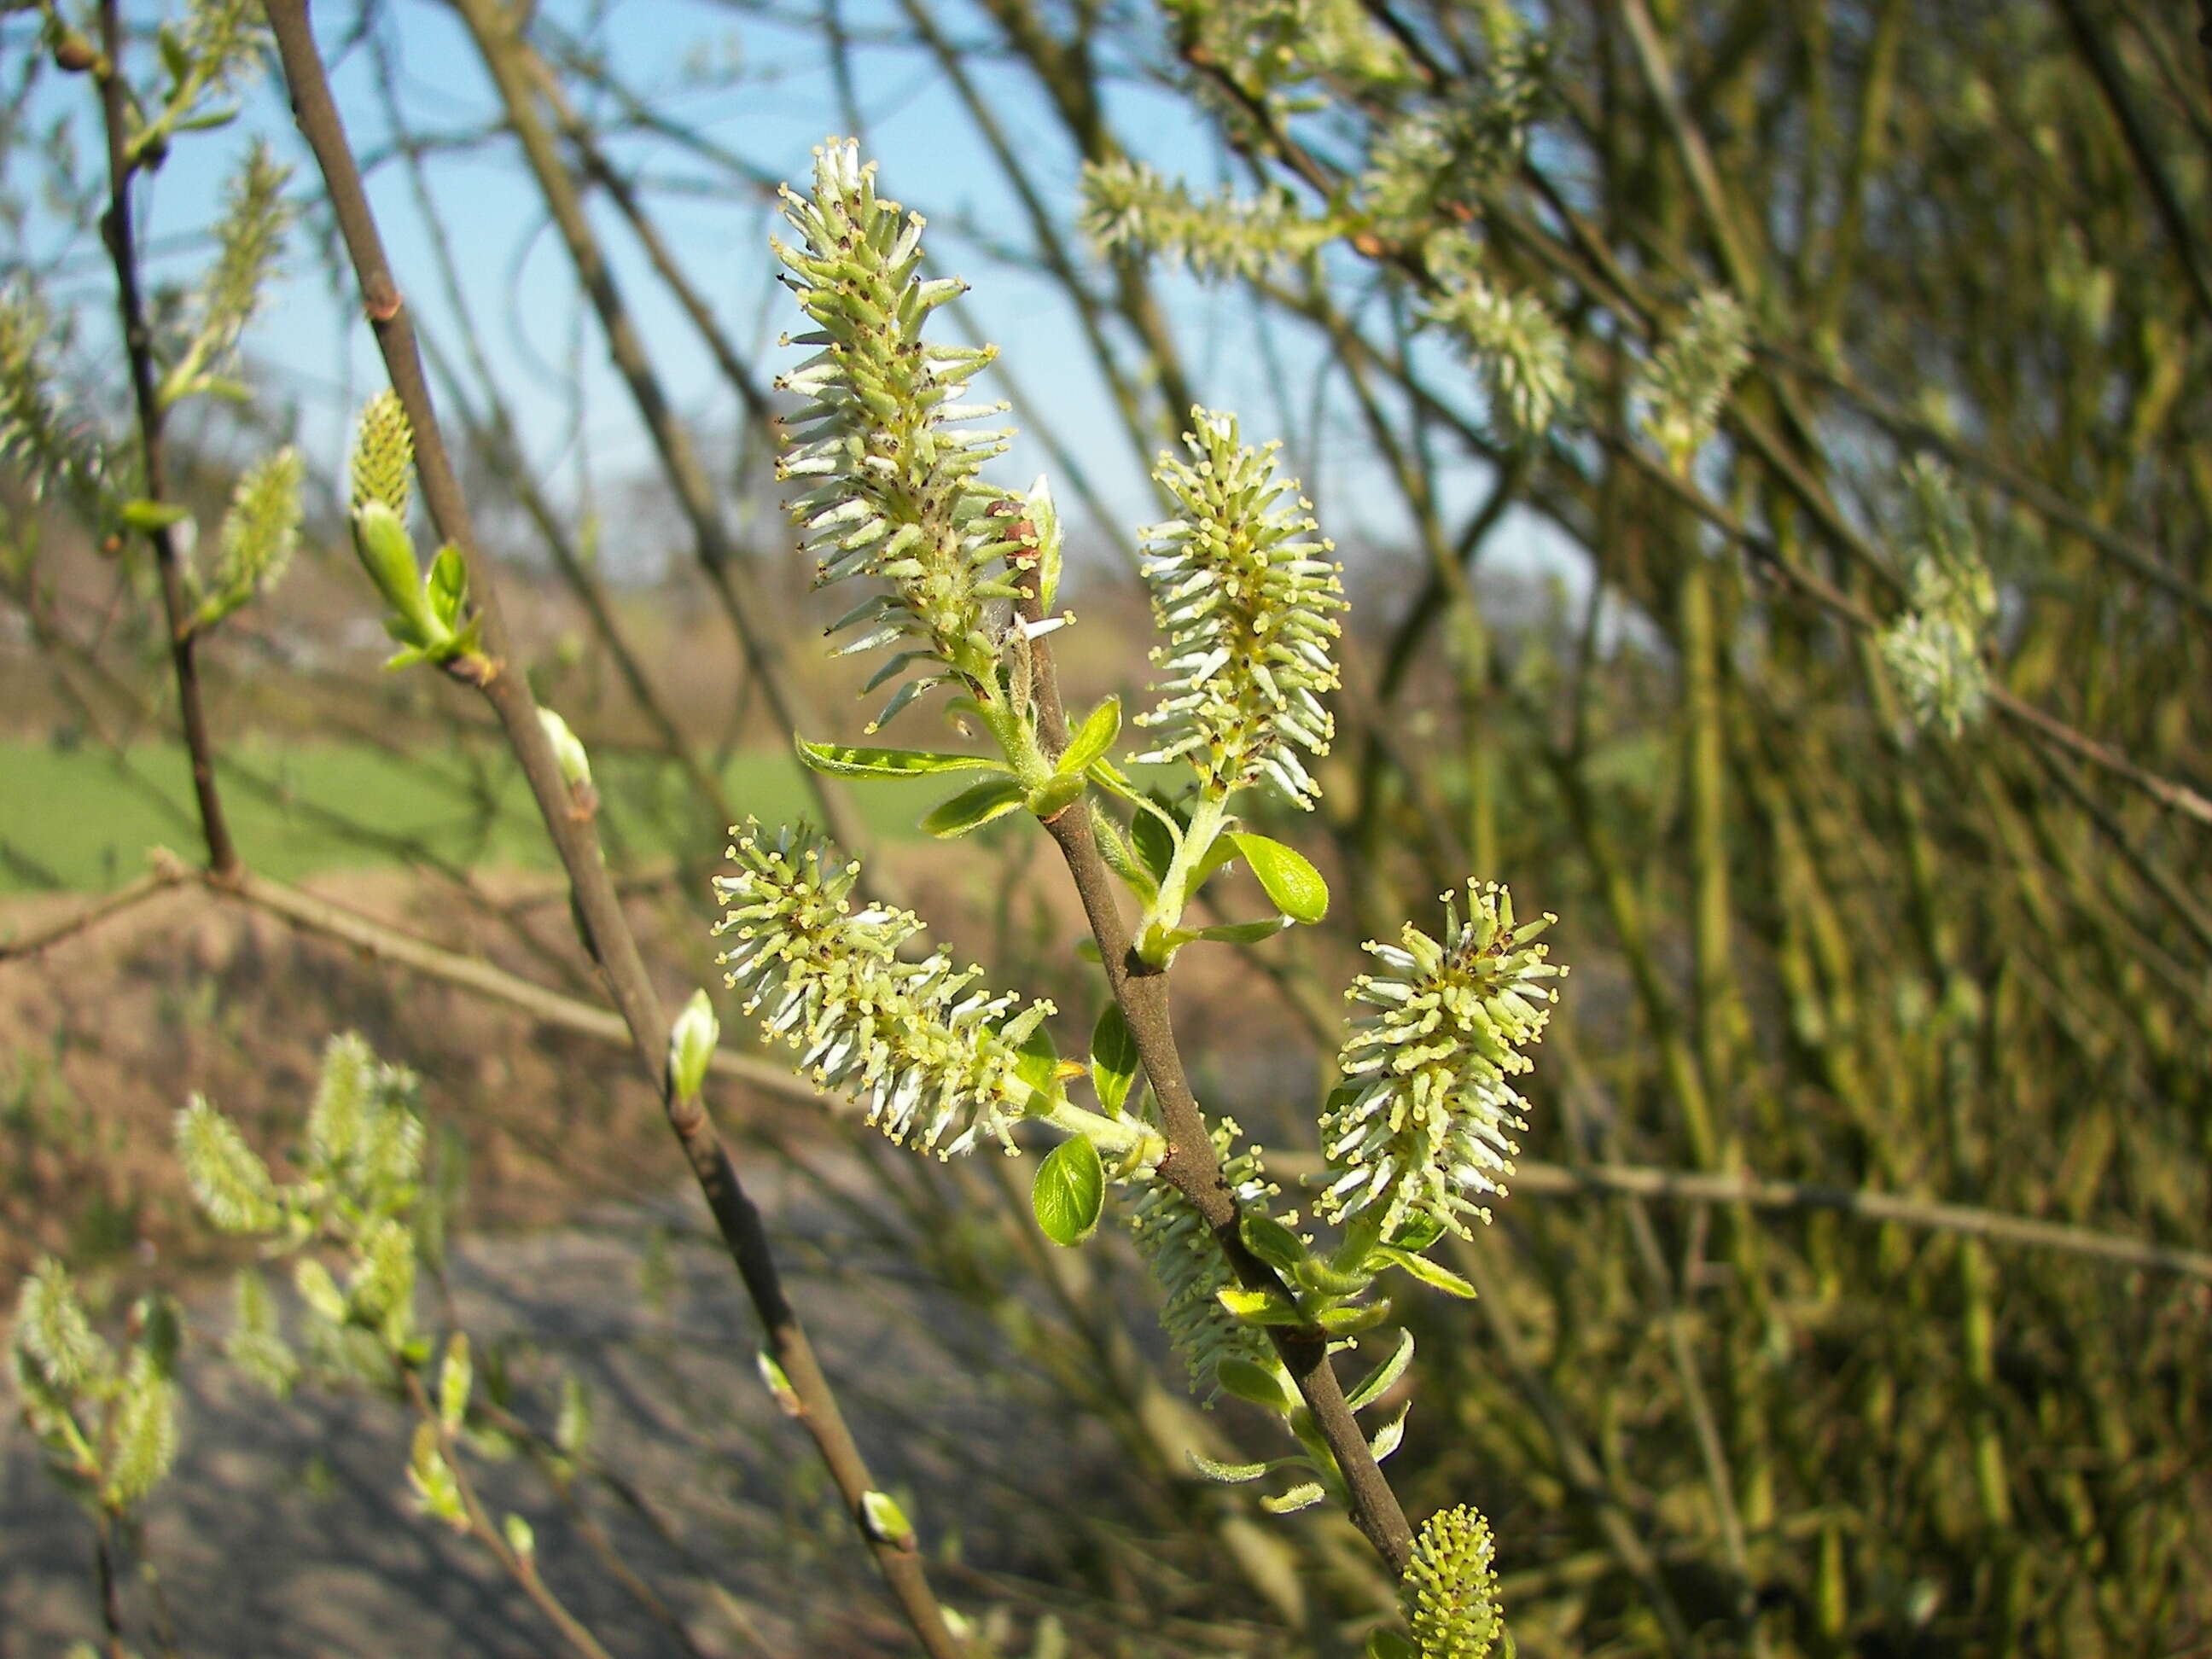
(115, 229)
(598, 905)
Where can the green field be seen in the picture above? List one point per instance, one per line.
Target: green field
(84, 819)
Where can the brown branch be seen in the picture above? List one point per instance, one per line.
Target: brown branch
(115, 230)
(1191, 1166)
(598, 905)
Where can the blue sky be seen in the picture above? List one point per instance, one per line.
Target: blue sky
(310, 350)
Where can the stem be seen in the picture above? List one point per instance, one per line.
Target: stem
(1191, 1166)
(614, 947)
(115, 230)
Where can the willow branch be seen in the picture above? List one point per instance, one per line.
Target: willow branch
(115, 230)
(598, 905)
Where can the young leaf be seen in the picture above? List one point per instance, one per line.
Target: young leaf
(454, 1377)
(1380, 1381)
(520, 1538)
(1287, 875)
(1302, 1496)
(1241, 933)
(1037, 1061)
(1069, 1192)
(1350, 1319)
(1113, 1059)
(1121, 860)
(1257, 1385)
(885, 1521)
(1260, 1307)
(448, 585)
(1385, 1439)
(1441, 1278)
(1229, 1475)
(836, 760)
(1055, 795)
(1388, 1645)
(1271, 1242)
(150, 516)
(779, 1386)
(1093, 738)
(1154, 843)
(973, 808)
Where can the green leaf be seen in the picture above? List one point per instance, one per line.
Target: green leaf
(1069, 1192)
(885, 1521)
(520, 1538)
(1260, 1307)
(1386, 1439)
(318, 1291)
(1388, 1645)
(779, 1386)
(1257, 1385)
(1121, 861)
(1055, 795)
(1114, 1058)
(1229, 1475)
(1093, 738)
(1271, 1242)
(973, 808)
(1427, 1272)
(1154, 844)
(448, 585)
(1238, 932)
(1418, 1233)
(1287, 875)
(150, 516)
(1037, 1058)
(1349, 1320)
(455, 1378)
(1379, 1382)
(1302, 1496)
(836, 760)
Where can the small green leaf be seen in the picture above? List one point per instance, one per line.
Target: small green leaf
(1256, 1384)
(1287, 875)
(1114, 1058)
(454, 1377)
(1380, 1381)
(1418, 1233)
(1037, 1057)
(836, 760)
(1154, 844)
(150, 516)
(1271, 1242)
(1239, 933)
(1069, 1191)
(319, 1289)
(1427, 1272)
(448, 585)
(1302, 1496)
(779, 1386)
(1121, 860)
(973, 808)
(1260, 1307)
(692, 1043)
(1350, 1319)
(1093, 738)
(1229, 1475)
(1386, 1439)
(520, 1538)
(1055, 795)
(885, 1521)
(1388, 1645)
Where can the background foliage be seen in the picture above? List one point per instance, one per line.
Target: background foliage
(1764, 444)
